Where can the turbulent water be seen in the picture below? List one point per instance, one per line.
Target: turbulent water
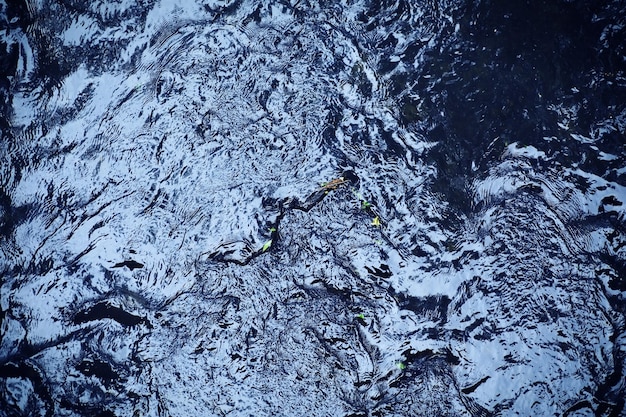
(173, 242)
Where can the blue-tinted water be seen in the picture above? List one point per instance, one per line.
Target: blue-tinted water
(345, 209)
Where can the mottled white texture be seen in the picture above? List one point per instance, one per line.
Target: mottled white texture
(209, 131)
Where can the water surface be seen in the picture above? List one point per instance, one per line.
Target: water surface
(173, 243)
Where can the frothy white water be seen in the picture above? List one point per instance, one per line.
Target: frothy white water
(170, 227)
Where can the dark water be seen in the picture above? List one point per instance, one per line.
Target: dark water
(173, 242)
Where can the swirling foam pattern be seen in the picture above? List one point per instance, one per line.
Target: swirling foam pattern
(170, 245)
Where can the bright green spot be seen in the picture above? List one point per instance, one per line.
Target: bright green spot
(272, 229)
(401, 366)
(365, 205)
(376, 222)
(360, 316)
(267, 245)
